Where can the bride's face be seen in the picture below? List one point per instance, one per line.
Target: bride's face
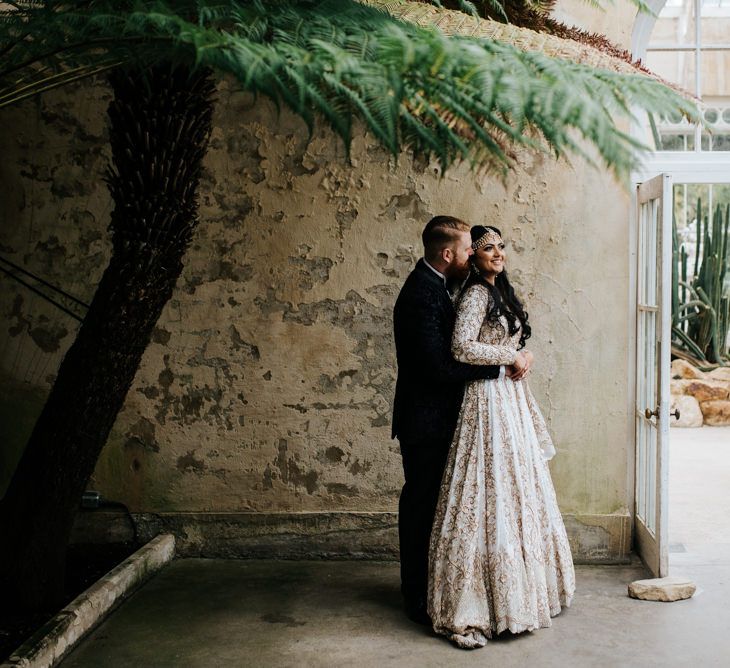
(490, 260)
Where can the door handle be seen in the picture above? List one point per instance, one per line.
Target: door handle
(649, 414)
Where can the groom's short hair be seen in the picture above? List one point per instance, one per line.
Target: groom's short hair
(440, 232)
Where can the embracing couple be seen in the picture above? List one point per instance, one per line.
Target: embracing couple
(483, 546)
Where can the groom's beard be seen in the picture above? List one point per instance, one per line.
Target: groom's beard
(458, 273)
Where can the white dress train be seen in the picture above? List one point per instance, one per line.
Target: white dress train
(499, 556)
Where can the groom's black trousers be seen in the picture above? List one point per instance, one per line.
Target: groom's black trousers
(423, 468)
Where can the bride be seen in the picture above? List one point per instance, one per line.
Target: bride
(499, 557)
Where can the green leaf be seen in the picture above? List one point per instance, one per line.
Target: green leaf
(449, 97)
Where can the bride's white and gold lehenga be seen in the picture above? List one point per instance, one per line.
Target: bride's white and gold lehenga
(499, 556)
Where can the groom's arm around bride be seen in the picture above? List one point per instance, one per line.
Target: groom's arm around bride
(429, 391)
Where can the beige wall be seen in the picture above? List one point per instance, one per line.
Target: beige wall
(615, 21)
(269, 381)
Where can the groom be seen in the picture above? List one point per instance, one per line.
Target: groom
(428, 392)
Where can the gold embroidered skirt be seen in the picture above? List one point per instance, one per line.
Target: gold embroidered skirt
(499, 557)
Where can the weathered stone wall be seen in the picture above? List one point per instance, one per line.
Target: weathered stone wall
(268, 384)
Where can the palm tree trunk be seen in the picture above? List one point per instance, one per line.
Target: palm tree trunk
(160, 121)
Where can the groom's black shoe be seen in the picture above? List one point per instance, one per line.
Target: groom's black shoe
(416, 611)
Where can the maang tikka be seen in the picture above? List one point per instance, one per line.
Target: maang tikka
(489, 237)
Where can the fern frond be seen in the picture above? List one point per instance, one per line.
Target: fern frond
(449, 97)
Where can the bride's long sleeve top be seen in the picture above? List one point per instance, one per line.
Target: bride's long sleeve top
(470, 341)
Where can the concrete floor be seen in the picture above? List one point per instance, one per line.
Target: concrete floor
(699, 496)
(264, 613)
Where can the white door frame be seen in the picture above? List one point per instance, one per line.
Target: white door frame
(653, 345)
(686, 167)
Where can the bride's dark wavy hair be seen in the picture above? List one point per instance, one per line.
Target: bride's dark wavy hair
(504, 299)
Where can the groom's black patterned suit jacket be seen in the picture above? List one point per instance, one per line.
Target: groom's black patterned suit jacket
(430, 383)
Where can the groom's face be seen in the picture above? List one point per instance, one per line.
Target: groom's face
(461, 252)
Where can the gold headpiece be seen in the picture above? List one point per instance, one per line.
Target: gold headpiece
(489, 237)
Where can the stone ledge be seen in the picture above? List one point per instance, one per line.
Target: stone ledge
(55, 638)
(307, 535)
(599, 538)
(594, 538)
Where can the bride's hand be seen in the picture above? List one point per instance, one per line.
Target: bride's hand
(522, 365)
(519, 368)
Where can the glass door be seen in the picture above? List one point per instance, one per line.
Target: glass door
(653, 347)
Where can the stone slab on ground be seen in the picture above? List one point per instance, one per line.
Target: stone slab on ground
(59, 635)
(668, 589)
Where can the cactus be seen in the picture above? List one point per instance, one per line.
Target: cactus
(701, 302)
